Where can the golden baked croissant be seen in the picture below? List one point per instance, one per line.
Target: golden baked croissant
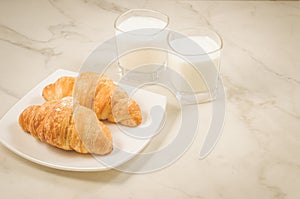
(126, 111)
(55, 123)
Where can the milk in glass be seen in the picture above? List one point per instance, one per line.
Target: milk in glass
(197, 62)
(140, 42)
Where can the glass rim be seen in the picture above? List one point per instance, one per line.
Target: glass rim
(143, 10)
(220, 46)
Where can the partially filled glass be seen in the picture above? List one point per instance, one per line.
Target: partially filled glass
(140, 36)
(196, 58)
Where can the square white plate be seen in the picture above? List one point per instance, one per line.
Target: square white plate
(23, 144)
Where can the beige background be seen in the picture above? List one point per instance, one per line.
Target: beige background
(258, 155)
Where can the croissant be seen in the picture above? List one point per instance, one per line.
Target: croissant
(55, 123)
(126, 111)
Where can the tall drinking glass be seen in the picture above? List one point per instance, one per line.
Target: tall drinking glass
(140, 36)
(196, 58)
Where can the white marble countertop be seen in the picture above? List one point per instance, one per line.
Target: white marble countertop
(258, 155)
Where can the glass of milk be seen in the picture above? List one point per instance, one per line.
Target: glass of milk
(195, 59)
(140, 37)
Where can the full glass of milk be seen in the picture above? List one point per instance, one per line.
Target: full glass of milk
(140, 37)
(195, 59)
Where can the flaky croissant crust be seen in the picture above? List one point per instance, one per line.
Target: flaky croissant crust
(53, 123)
(102, 100)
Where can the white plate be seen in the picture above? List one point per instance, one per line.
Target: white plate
(23, 144)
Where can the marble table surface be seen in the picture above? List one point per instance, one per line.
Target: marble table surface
(258, 155)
